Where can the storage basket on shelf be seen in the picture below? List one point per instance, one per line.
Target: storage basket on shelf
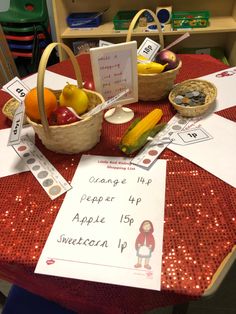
(153, 87)
(71, 138)
(191, 87)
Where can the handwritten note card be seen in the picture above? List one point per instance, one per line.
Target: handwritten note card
(110, 226)
(115, 69)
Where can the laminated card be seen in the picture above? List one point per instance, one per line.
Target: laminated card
(110, 226)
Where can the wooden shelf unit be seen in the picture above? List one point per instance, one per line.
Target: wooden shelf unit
(220, 33)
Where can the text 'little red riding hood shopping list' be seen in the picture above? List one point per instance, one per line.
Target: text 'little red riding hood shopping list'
(110, 226)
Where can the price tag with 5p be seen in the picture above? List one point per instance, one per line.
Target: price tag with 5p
(148, 49)
(18, 90)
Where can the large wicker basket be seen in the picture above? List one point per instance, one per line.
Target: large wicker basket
(70, 138)
(153, 87)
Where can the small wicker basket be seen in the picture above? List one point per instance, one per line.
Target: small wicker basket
(10, 107)
(71, 138)
(153, 87)
(206, 87)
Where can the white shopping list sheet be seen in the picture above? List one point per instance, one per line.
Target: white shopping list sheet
(51, 80)
(225, 82)
(209, 142)
(110, 226)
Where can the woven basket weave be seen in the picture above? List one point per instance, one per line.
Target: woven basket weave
(10, 107)
(154, 86)
(206, 87)
(70, 138)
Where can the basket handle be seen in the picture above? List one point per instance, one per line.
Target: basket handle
(41, 74)
(135, 19)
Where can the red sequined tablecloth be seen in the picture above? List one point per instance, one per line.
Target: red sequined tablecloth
(199, 228)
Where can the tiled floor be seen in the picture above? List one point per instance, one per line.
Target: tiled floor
(223, 302)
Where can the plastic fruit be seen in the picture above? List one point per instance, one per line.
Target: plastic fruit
(31, 104)
(72, 96)
(150, 68)
(169, 57)
(141, 58)
(62, 115)
(89, 85)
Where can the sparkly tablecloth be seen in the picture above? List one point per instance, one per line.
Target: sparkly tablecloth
(199, 228)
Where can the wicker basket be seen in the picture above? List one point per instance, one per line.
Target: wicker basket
(10, 107)
(71, 138)
(153, 87)
(206, 87)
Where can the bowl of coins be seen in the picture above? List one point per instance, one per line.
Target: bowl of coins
(192, 98)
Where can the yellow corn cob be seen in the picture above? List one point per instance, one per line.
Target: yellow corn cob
(147, 123)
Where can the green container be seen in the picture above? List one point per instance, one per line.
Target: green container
(122, 19)
(190, 19)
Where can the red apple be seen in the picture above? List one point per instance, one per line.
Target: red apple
(62, 115)
(169, 57)
(89, 85)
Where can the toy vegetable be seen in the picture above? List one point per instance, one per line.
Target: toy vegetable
(138, 132)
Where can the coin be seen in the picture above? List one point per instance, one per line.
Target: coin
(195, 93)
(190, 98)
(189, 95)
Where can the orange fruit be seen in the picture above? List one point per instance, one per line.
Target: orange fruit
(31, 103)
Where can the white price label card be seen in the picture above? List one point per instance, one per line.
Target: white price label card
(103, 43)
(148, 49)
(16, 88)
(191, 136)
(17, 124)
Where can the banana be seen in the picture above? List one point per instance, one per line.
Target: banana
(142, 59)
(150, 68)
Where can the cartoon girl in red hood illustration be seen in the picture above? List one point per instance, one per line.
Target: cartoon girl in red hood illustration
(145, 244)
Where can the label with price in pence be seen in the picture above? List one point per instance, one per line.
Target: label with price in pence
(148, 49)
(18, 90)
(191, 136)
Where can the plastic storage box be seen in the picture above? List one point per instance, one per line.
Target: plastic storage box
(84, 20)
(191, 19)
(122, 19)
